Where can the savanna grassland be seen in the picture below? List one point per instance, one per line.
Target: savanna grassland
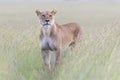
(97, 57)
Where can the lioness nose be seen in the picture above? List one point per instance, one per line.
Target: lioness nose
(47, 20)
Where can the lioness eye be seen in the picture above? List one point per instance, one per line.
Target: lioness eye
(43, 15)
(50, 15)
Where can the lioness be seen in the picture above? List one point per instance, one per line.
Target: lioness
(54, 37)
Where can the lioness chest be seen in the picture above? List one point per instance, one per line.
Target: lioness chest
(47, 42)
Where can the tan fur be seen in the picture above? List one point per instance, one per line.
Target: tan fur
(54, 37)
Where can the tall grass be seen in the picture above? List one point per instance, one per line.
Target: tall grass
(96, 57)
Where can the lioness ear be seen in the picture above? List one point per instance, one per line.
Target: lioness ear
(54, 11)
(38, 12)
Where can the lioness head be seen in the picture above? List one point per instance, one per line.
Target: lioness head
(46, 17)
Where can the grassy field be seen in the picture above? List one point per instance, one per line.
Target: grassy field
(97, 57)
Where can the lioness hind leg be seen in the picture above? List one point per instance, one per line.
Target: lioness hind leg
(72, 45)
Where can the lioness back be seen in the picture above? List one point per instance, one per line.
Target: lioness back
(69, 32)
(74, 28)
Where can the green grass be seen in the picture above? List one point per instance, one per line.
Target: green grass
(97, 57)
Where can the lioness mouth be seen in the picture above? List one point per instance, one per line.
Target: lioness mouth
(46, 24)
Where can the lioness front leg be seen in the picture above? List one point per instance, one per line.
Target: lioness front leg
(46, 57)
(57, 56)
